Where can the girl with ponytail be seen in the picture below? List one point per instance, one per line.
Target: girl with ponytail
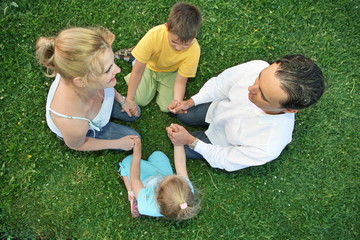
(154, 190)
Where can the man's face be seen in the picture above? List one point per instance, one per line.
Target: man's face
(266, 92)
(176, 44)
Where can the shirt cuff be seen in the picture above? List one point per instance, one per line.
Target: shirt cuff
(197, 99)
(201, 147)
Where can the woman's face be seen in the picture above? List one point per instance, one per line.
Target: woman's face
(111, 69)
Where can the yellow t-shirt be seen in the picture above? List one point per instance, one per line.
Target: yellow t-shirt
(155, 50)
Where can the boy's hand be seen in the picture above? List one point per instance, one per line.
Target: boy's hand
(183, 106)
(174, 103)
(130, 108)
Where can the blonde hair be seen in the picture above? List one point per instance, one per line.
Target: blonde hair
(173, 192)
(75, 52)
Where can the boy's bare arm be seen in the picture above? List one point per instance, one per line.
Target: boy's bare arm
(179, 87)
(179, 92)
(136, 74)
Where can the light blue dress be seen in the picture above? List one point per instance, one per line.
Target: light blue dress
(152, 172)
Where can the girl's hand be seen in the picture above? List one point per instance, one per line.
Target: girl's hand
(178, 135)
(137, 145)
(131, 195)
(128, 142)
(135, 181)
(173, 128)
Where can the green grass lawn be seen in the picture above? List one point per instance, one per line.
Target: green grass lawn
(310, 192)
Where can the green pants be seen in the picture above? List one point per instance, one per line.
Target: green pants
(151, 82)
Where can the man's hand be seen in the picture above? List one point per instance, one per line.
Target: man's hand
(178, 135)
(174, 103)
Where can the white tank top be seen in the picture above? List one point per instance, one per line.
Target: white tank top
(99, 121)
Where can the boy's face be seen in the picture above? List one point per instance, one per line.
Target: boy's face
(176, 44)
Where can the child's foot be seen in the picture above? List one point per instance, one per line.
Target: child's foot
(125, 54)
(134, 208)
(133, 205)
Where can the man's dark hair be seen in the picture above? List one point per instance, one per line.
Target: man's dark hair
(301, 79)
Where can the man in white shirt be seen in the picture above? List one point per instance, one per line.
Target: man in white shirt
(249, 110)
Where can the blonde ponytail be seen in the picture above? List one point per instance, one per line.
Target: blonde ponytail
(45, 54)
(176, 200)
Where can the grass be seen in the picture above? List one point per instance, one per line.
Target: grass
(309, 192)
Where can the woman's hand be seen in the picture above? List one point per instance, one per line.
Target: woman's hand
(130, 108)
(128, 142)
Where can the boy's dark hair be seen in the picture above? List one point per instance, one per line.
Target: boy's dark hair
(184, 21)
(301, 79)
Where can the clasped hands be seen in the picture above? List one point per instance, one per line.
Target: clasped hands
(129, 106)
(180, 106)
(175, 107)
(178, 135)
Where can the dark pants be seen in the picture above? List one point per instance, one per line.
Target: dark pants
(195, 116)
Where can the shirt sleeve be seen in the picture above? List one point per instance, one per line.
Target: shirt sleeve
(143, 49)
(232, 158)
(217, 88)
(189, 66)
(147, 203)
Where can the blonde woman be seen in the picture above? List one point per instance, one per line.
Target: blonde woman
(154, 190)
(82, 98)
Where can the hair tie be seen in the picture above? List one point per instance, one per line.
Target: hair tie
(183, 205)
(51, 42)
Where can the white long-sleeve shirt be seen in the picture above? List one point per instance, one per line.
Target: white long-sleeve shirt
(242, 135)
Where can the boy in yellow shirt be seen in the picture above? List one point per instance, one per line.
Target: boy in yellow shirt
(165, 58)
